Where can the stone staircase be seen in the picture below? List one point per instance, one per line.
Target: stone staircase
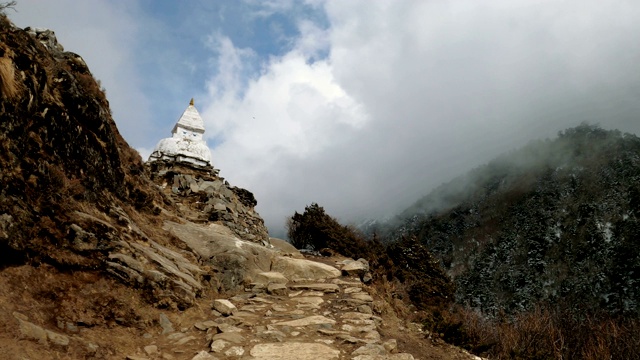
(331, 319)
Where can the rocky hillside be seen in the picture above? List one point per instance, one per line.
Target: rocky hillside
(555, 222)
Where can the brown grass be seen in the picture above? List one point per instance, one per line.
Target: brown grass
(8, 84)
(543, 334)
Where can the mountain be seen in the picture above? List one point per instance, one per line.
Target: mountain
(554, 223)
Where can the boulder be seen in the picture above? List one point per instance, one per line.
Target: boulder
(303, 270)
(285, 248)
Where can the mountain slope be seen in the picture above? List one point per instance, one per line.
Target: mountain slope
(556, 222)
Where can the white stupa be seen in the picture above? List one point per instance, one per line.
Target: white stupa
(186, 143)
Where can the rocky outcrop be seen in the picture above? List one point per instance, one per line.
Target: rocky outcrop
(203, 196)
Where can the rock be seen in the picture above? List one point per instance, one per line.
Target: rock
(269, 277)
(370, 349)
(205, 325)
(225, 307)
(302, 269)
(227, 328)
(285, 248)
(367, 278)
(310, 320)
(57, 339)
(165, 323)
(32, 331)
(235, 351)
(134, 357)
(272, 335)
(238, 261)
(151, 349)
(362, 296)
(325, 288)
(232, 337)
(219, 345)
(185, 340)
(391, 345)
(277, 289)
(356, 268)
(309, 301)
(203, 355)
(294, 351)
(402, 356)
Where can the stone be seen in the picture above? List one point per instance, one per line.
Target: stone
(309, 300)
(205, 325)
(401, 356)
(310, 320)
(203, 355)
(302, 269)
(269, 277)
(355, 268)
(367, 278)
(272, 335)
(232, 337)
(185, 340)
(294, 351)
(235, 351)
(277, 289)
(325, 288)
(32, 331)
(285, 248)
(391, 345)
(227, 328)
(225, 307)
(151, 349)
(219, 345)
(165, 323)
(57, 339)
(362, 296)
(370, 349)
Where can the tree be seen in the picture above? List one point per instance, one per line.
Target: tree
(315, 230)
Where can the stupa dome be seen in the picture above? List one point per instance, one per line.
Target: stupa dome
(186, 143)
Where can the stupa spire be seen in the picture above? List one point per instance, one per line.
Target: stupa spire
(186, 143)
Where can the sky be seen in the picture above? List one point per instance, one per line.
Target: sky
(362, 106)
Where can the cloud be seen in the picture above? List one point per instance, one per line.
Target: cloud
(406, 95)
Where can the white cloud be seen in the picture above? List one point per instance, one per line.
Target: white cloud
(413, 93)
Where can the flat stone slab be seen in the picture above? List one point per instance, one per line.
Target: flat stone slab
(270, 277)
(310, 320)
(294, 351)
(322, 287)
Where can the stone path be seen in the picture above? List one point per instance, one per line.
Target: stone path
(315, 321)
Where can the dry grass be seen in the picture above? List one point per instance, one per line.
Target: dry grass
(8, 84)
(545, 334)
